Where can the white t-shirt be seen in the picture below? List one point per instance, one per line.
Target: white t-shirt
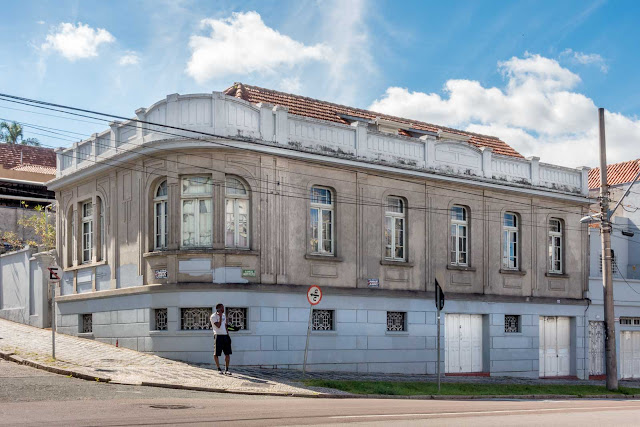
(222, 330)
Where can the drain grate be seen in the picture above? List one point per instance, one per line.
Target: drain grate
(171, 406)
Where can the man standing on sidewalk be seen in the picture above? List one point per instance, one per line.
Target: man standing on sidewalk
(221, 339)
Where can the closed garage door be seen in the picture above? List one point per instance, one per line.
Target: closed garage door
(555, 346)
(463, 343)
(630, 354)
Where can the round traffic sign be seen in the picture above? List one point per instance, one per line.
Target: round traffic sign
(314, 294)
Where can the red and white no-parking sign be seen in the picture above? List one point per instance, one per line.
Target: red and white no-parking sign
(314, 294)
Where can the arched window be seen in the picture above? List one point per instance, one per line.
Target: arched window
(511, 241)
(394, 229)
(160, 225)
(236, 214)
(321, 232)
(555, 246)
(459, 236)
(87, 231)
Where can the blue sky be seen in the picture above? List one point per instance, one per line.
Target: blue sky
(531, 73)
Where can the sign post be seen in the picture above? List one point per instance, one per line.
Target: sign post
(314, 295)
(54, 277)
(439, 306)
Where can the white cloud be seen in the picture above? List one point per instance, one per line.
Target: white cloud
(40, 22)
(586, 59)
(290, 84)
(243, 44)
(129, 58)
(76, 41)
(538, 112)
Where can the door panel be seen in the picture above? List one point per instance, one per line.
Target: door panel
(463, 344)
(555, 346)
(563, 337)
(596, 348)
(630, 354)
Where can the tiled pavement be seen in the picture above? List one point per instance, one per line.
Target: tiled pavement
(97, 359)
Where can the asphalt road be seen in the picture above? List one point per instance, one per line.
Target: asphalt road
(33, 397)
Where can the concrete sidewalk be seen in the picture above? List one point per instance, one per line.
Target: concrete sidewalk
(92, 359)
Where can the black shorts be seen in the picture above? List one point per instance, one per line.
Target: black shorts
(222, 343)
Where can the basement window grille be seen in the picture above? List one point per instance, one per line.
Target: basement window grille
(192, 319)
(396, 321)
(87, 323)
(630, 321)
(614, 263)
(160, 319)
(511, 323)
(322, 320)
(237, 318)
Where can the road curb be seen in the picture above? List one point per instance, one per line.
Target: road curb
(12, 357)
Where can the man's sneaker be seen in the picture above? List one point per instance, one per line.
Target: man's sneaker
(220, 371)
(227, 372)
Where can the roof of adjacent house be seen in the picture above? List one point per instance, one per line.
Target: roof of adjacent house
(322, 110)
(617, 173)
(16, 155)
(46, 170)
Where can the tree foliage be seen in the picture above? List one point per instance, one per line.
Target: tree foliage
(42, 228)
(12, 133)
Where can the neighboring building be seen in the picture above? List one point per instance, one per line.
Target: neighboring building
(270, 193)
(625, 245)
(23, 173)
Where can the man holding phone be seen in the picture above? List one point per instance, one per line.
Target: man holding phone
(221, 339)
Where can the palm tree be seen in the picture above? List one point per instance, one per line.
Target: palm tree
(12, 134)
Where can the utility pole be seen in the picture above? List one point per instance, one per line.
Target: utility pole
(607, 281)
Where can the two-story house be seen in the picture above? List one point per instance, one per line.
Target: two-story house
(249, 196)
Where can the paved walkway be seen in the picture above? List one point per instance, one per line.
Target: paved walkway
(126, 366)
(96, 359)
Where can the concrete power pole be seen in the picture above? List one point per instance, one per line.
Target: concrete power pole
(607, 273)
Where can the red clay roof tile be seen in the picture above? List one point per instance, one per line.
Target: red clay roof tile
(12, 155)
(617, 173)
(309, 107)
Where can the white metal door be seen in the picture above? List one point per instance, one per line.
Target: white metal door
(463, 343)
(596, 348)
(630, 354)
(555, 346)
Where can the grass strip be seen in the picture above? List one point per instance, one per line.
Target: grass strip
(465, 389)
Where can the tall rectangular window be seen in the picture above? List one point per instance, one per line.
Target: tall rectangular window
(197, 211)
(160, 216)
(236, 214)
(321, 233)
(510, 242)
(394, 229)
(555, 246)
(87, 232)
(459, 236)
(103, 246)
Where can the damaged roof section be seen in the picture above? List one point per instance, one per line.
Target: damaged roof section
(322, 110)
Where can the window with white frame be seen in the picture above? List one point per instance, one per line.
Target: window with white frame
(321, 233)
(394, 229)
(103, 248)
(555, 246)
(236, 214)
(71, 239)
(197, 211)
(160, 225)
(87, 231)
(459, 236)
(510, 241)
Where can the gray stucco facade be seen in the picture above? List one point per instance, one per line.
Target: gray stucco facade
(118, 286)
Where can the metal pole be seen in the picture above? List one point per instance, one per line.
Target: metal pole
(53, 320)
(607, 281)
(306, 347)
(438, 307)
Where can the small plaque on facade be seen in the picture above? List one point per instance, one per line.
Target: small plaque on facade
(373, 283)
(248, 273)
(161, 274)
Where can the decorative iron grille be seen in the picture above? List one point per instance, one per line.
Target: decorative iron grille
(161, 319)
(511, 323)
(395, 321)
(596, 348)
(195, 318)
(237, 317)
(322, 320)
(87, 323)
